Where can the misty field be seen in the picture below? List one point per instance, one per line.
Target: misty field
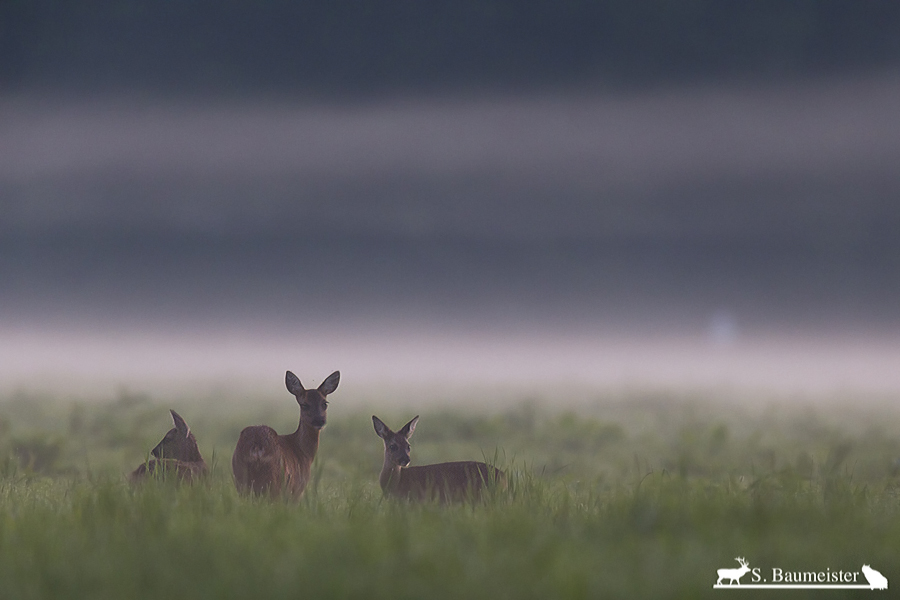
(642, 495)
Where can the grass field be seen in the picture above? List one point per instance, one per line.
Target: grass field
(642, 496)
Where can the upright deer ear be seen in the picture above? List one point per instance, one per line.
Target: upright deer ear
(180, 424)
(408, 429)
(330, 384)
(380, 428)
(293, 384)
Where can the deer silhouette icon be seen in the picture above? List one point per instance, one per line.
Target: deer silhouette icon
(734, 575)
(876, 580)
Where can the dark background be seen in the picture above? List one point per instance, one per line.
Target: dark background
(522, 171)
(353, 48)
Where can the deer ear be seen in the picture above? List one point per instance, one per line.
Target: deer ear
(408, 429)
(180, 424)
(380, 428)
(293, 384)
(330, 384)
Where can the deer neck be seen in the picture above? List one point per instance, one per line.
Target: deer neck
(390, 476)
(193, 455)
(305, 441)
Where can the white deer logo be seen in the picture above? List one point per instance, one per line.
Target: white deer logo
(733, 575)
(876, 580)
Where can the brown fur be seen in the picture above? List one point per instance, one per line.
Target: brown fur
(187, 472)
(177, 454)
(267, 463)
(445, 482)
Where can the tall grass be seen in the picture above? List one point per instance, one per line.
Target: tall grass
(597, 506)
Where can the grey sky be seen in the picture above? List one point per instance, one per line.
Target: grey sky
(810, 158)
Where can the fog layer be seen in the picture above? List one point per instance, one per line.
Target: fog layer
(690, 237)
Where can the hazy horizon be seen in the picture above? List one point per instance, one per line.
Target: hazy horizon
(693, 237)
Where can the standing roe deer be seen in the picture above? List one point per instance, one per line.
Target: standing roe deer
(452, 481)
(177, 453)
(265, 462)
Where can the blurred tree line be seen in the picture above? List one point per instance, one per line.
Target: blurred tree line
(357, 46)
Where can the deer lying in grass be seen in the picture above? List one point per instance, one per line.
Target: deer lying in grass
(265, 462)
(177, 454)
(446, 482)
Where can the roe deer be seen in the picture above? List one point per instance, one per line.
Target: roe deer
(265, 462)
(733, 575)
(177, 453)
(446, 482)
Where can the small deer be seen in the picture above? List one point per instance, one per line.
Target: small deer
(446, 482)
(177, 454)
(733, 575)
(267, 463)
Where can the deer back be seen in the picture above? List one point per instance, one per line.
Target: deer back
(187, 472)
(265, 462)
(445, 482)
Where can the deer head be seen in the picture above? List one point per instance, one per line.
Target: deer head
(396, 445)
(179, 443)
(312, 402)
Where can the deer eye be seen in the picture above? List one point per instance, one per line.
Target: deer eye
(393, 446)
(304, 405)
